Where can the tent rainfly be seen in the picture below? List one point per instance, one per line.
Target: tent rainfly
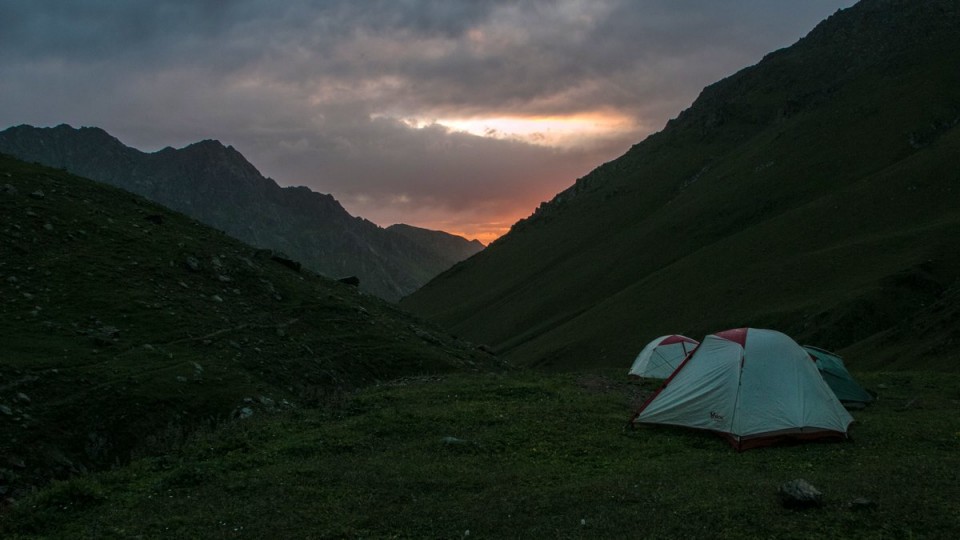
(838, 378)
(661, 356)
(754, 387)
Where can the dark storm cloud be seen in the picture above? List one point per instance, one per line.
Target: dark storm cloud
(318, 92)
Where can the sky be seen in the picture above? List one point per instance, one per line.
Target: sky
(456, 115)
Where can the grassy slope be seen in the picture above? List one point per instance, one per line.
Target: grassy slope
(217, 186)
(815, 192)
(535, 457)
(117, 346)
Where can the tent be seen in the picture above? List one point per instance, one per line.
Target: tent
(661, 356)
(752, 386)
(838, 378)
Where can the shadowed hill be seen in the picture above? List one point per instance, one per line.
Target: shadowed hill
(434, 250)
(816, 192)
(216, 185)
(126, 324)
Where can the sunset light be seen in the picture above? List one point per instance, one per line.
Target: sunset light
(457, 116)
(391, 269)
(484, 232)
(559, 131)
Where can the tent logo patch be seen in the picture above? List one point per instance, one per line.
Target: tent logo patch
(716, 417)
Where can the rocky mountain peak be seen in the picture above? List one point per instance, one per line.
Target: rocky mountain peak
(215, 184)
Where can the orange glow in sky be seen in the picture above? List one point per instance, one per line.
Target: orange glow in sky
(572, 131)
(484, 232)
(560, 131)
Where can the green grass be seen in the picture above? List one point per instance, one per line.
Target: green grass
(535, 456)
(114, 346)
(124, 370)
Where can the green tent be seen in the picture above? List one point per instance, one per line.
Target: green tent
(838, 378)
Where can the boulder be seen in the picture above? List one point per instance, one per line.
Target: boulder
(799, 494)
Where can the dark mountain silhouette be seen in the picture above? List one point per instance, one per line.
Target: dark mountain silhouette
(816, 192)
(125, 324)
(217, 186)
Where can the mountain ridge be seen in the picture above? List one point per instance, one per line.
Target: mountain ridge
(215, 184)
(817, 131)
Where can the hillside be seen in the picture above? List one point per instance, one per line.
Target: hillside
(126, 325)
(216, 185)
(815, 192)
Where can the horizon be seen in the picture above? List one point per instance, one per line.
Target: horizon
(453, 116)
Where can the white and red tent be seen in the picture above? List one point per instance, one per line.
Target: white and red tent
(752, 386)
(661, 356)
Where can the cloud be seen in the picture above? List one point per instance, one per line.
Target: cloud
(349, 97)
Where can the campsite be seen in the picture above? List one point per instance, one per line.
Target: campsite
(524, 455)
(572, 269)
(755, 387)
(473, 445)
